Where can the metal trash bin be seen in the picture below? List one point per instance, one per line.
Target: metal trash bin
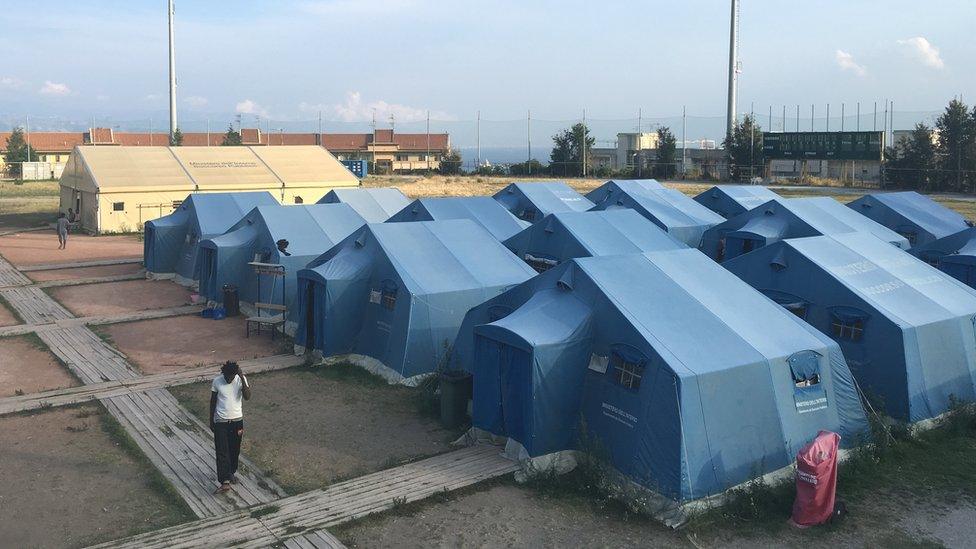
(231, 302)
(455, 392)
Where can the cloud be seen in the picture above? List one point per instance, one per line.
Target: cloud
(846, 62)
(10, 83)
(354, 109)
(54, 89)
(248, 106)
(923, 50)
(196, 101)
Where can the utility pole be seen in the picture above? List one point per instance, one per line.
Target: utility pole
(798, 118)
(770, 118)
(828, 117)
(875, 128)
(172, 76)
(784, 118)
(858, 125)
(811, 117)
(583, 143)
(528, 136)
(208, 132)
(752, 142)
(841, 117)
(150, 131)
(320, 130)
(733, 66)
(27, 130)
(478, 140)
(428, 141)
(684, 142)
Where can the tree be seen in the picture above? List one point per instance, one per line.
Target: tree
(176, 140)
(664, 167)
(232, 138)
(529, 167)
(566, 158)
(743, 150)
(18, 151)
(450, 163)
(911, 162)
(957, 146)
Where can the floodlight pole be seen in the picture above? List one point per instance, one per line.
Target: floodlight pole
(528, 140)
(733, 56)
(172, 76)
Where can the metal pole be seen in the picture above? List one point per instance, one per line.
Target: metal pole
(208, 132)
(150, 132)
(583, 143)
(784, 118)
(640, 120)
(752, 141)
(428, 141)
(858, 116)
(172, 75)
(27, 130)
(811, 117)
(478, 140)
(733, 57)
(841, 117)
(528, 136)
(875, 128)
(828, 118)
(797, 118)
(684, 142)
(770, 118)
(320, 130)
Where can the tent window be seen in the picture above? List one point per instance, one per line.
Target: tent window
(299, 200)
(720, 253)
(849, 329)
(627, 374)
(118, 206)
(527, 214)
(388, 294)
(748, 245)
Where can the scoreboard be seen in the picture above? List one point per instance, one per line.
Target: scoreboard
(823, 145)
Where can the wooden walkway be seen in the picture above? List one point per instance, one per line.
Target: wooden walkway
(108, 389)
(78, 264)
(72, 322)
(34, 306)
(294, 516)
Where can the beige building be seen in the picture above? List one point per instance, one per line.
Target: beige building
(625, 151)
(117, 189)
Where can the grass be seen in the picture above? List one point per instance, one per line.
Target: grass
(265, 511)
(29, 189)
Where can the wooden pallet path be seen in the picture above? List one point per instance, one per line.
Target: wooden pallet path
(181, 447)
(34, 306)
(108, 389)
(293, 516)
(149, 314)
(78, 264)
(11, 277)
(316, 540)
(75, 281)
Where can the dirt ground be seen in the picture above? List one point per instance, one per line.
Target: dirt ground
(41, 247)
(181, 342)
(85, 272)
(7, 318)
(309, 429)
(65, 482)
(110, 298)
(27, 367)
(503, 514)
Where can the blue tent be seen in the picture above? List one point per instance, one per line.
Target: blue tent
(170, 242)
(563, 236)
(679, 215)
(310, 231)
(906, 329)
(481, 209)
(603, 192)
(375, 205)
(532, 201)
(914, 216)
(785, 218)
(954, 255)
(396, 292)
(690, 380)
(731, 200)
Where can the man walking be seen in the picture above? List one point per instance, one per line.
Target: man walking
(228, 391)
(62, 231)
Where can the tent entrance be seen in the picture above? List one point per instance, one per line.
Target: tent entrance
(515, 385)
(310, 315)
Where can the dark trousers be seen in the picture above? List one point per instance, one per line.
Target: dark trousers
(227, 441)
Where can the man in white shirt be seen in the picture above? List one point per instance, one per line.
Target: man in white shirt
(228, 391)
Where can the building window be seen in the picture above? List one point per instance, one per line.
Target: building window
(299, 200)
(402, 157)
(422, 157)
(118, 206)
(177, 204)
(627, 374)
(848, 329)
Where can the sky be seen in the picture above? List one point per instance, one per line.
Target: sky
(289, 60)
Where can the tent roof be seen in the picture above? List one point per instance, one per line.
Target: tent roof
(747, 196)
(899, 285)
(958, 247)
(916, 208)
(215, 212)
(670, 207)
(602, 232)
(622, 185)
(375, 205)
(304, 226)
(133, 169)
(442, 256)
(547, 197)
(482, 210)
(830, 217)
(672, 297)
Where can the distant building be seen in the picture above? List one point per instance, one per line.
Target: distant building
(624, 153)
(390, 152)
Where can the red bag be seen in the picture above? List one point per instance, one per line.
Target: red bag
(816, 480)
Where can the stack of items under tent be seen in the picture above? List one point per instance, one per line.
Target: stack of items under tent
(170, 243)
(376, 205)
(684, 375)
(906, 329)
(679, 215)
(289, 236)
(563, 236)
(917, 217)
(392, 295)
(785, 218)
(531, 202)
(954, 255)
(481, 209)
(729, 201)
